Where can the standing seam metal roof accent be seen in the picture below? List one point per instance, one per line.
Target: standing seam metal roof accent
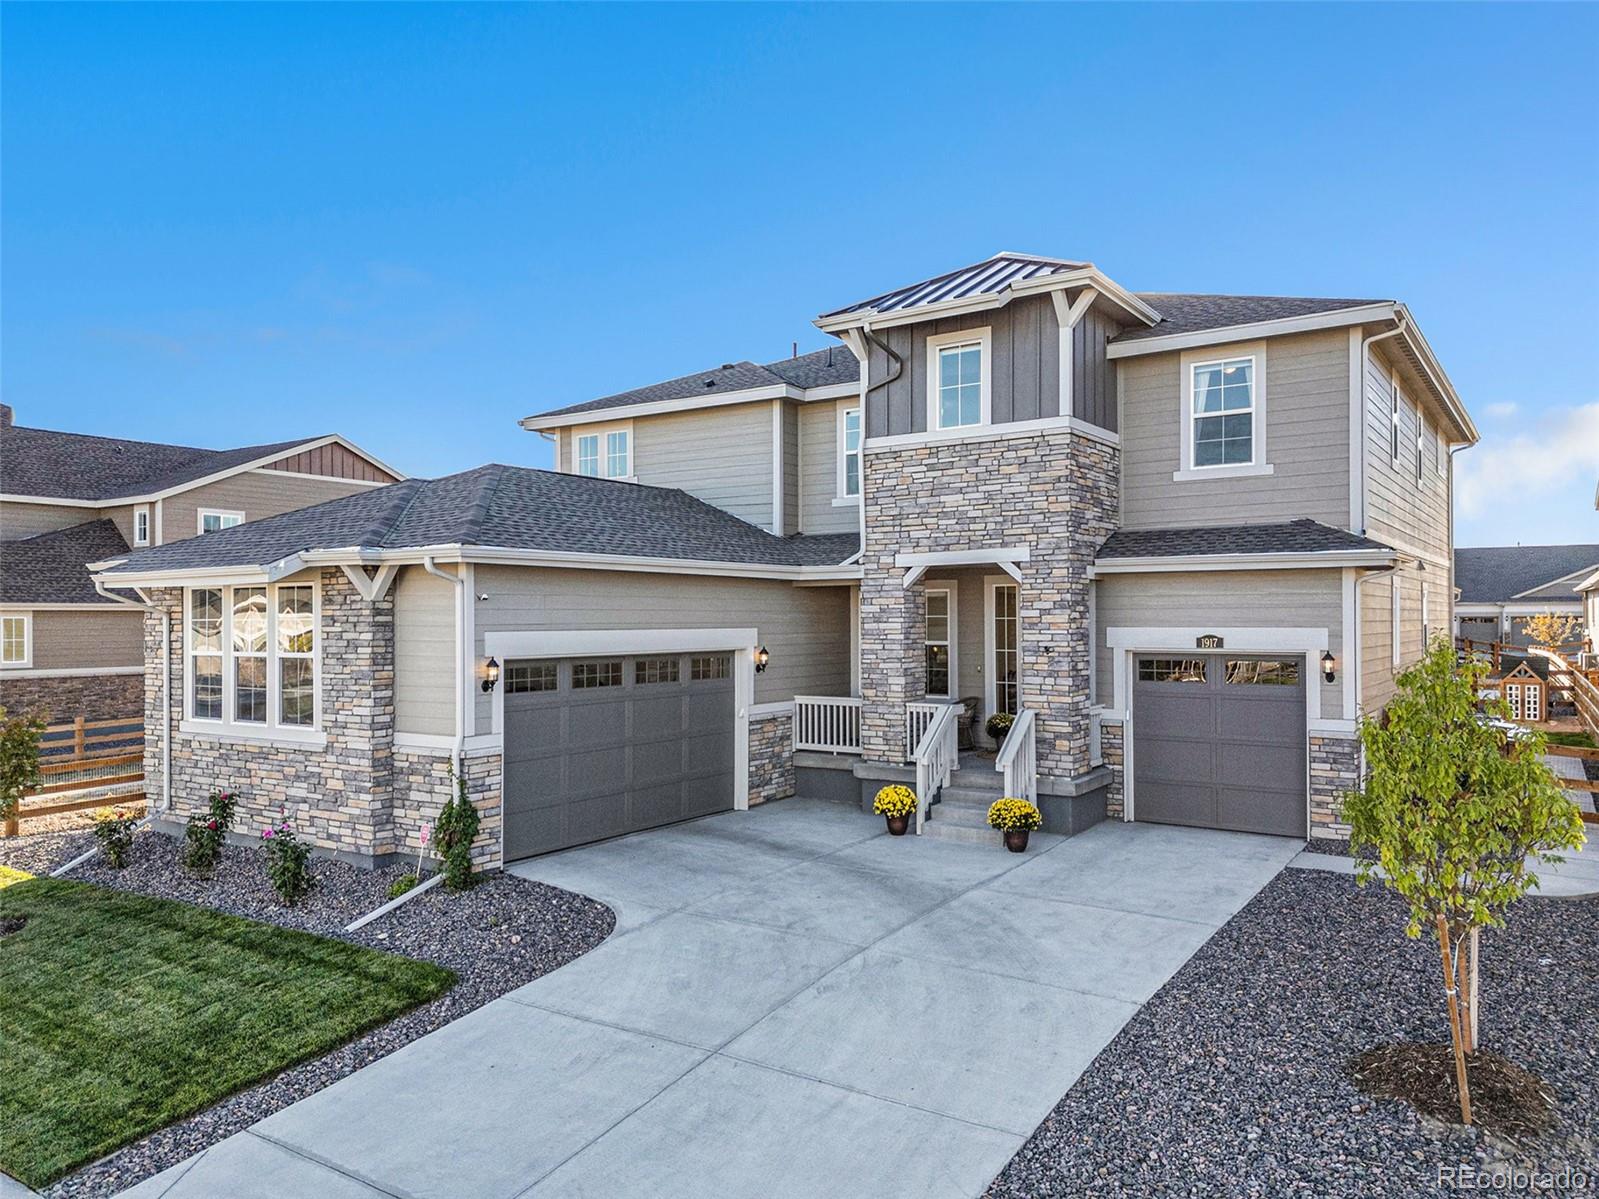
(989, 277)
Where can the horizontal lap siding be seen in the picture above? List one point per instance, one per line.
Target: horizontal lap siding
(1307, 441)
(818, 441)
(1222, 599)
(720, 455)
(1397, 510)
(28, 520)
(83, 640)
(1377, 671)
(256, 493)
(424, 668)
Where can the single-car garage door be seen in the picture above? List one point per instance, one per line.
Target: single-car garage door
(597, 747)
(1219, 741)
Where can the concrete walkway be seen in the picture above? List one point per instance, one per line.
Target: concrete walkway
(793, 1004)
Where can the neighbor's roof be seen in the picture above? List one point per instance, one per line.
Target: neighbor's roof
(1288, 537)
(1498, 574)
(835, 364)
(987, 278)
(504, 507)
(1183, 313)
(77, 466)
(51, 568)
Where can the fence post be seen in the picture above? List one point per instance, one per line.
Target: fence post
(77, 737)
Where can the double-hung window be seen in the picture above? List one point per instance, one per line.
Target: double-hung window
(252, 656)
(1223, 413)
(141, 525)
(1421, 433)
(1396, 405)
(958, 380)
(938, 641)
(849, 453)
(15, 639)
(605, 454)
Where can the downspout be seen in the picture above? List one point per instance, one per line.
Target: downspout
(166, 685)
(1365, 352)
(458, 581)
(896, 369)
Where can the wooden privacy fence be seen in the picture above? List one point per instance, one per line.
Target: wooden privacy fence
(85, 764)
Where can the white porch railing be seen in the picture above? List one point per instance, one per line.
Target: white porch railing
(827, 723)
(918, 716)
(937, 755)
(1018, 759)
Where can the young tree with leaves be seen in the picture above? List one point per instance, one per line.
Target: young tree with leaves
(1452, 810)
(19, 762)
(1548, 630)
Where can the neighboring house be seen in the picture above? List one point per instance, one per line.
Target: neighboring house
(1186, 539)
(67, 499)
(1499, 587)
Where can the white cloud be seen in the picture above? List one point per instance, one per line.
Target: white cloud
(1560, 450)
(1503, 408)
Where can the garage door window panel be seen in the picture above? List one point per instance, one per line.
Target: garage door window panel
(650, 671)
(1172, 670)
(523, 678)
(1262, 672)
(588, 675)
(710, 668)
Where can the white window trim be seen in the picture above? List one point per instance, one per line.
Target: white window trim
(983, 338)
(991, 583)
(1396, 407)
(199, 517)
(1259, 462)
(951, 590)
(601, 433)
(26, 661)
(1440, 451)
(271, 730)
(1394, 602)
(842, 495)
(1421, 430)
(141, 513)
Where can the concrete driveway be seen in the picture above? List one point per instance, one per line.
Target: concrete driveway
(793, 1004)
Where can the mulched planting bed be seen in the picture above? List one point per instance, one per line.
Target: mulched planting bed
(1234, 1079)
(504, 932)
(1505, 1099)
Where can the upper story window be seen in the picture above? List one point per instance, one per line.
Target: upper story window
(1223, 413)
(1396, 403)
(849, 452)
(212, 519)
(141, 525)
(1421, 433)
(604, 454)
(252, 656)
(958, 379)
(16, 648)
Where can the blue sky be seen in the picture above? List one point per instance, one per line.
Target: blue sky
(415, 224)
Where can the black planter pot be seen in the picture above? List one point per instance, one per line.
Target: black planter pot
(1016, 840)
(897, 825)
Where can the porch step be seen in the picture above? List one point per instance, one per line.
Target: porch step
(939, 830)
(958, 815)
(979, 776)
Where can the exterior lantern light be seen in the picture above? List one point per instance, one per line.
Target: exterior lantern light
(491, 674)
(762, 657)
(1329, 666)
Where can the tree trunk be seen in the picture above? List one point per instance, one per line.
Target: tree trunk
(1455, 1031)
(1468, 1042)
(1473, 1008)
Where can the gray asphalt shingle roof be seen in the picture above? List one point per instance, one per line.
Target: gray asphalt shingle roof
(506, 507)
(1498, 573)
(51, 568)
(1287, 537)
(835, 364)
(1185, 313)
(77, 466)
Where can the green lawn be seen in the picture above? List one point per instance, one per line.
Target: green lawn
(120, 1014)
(1580, 740)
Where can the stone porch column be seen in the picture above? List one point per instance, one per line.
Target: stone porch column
(893, 635)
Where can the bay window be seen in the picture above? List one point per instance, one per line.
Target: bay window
(252, 656)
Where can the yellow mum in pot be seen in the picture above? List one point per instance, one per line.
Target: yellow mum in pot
(894, 800)
(1014, 816)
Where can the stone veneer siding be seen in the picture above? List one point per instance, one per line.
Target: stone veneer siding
(422, 784)
(63, 699)
(771, 757)
(1054, 492)
(1334, 770)
(1111, 753)
(343, 797)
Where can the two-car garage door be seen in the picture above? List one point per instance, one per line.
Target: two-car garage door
(597, 747)
(1219, 741)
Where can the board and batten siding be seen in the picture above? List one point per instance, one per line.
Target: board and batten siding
(256, 493)
(720, 455)
(818, 469)
(1399, 511)
(806, 629)
(791, 468)
(1224, 599)
(1307, 440)
(1024, 372)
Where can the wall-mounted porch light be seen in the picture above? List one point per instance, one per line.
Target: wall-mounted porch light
(1329, 666)
(762, 657)
(491, 674)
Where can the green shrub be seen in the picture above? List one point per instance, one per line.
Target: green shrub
(19, 759)
(402, 884)
(288, 862)
(207, 832)
(998, 725)
(113, 829)
(453, 833)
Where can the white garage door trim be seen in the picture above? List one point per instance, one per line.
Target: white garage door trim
(575, 643)
(1128, 641)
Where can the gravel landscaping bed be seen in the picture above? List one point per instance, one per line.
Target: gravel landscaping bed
(504, 932)
(1233, 1079)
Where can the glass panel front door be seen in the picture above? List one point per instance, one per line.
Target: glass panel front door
(1005, 647)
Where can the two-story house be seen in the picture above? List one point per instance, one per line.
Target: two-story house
(68, 499)
(1183, 539)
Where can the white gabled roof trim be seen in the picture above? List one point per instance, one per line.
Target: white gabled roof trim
(1574, 578)
(720, 399)
(1039, 285)
(1336, 319)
